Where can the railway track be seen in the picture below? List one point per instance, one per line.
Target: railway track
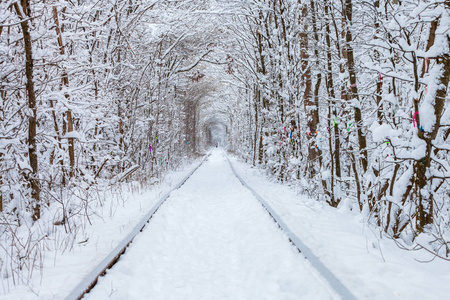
(86, 285)
(331, 279)
(333, 282)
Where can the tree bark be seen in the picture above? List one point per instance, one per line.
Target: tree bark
(65, 81)
(311, 122)
(336, 155)
(24, 13)
(348, 11)
(425, 204)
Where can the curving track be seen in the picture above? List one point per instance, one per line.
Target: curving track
(214, 240)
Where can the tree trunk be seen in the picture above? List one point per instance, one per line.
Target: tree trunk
(425, 203)
(24, 13)
(257, 132)
(377, 57)
(348, 11)
(307, 84)
(315, 110)
(65, 81)
(331, 93)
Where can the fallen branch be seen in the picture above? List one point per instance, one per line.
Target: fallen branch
(122, 176)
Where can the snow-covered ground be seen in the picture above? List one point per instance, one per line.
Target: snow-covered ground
(114, 220)
(370, 267)
(213, 240)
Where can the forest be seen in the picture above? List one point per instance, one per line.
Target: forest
(346, 100)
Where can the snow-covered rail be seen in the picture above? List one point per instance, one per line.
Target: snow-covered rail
(332, 280)
(91, 280)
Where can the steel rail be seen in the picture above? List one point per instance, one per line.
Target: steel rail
(91, 279)
(332, 280)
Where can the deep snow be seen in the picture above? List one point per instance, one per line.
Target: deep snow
(211, 240)
(370, 267)
(120, 211)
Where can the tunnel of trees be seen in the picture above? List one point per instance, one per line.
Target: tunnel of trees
(347, 99)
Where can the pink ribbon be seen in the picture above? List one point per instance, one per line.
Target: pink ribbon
(414, 118)
(150, 149)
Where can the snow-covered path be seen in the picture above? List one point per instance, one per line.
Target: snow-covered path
(211, 240)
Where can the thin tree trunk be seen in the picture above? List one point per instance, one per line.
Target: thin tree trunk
(348, 11)
(331, 93)
(425, 205)
(65, 81)
(371, 198)
(307, 84)
(315, 111)
(377, 57)
(23, 12)
(255, 147)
